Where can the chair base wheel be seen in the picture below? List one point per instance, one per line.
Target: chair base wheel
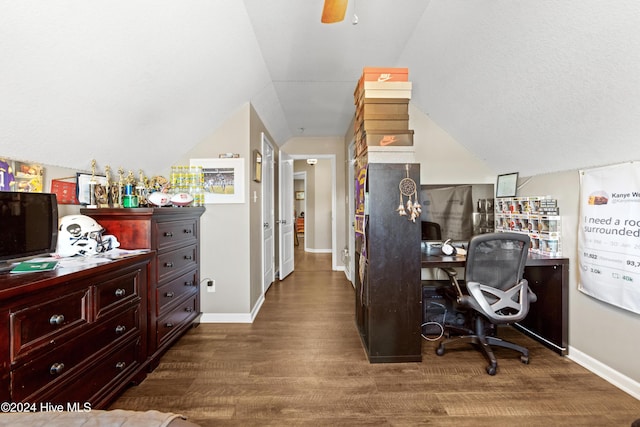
(491, 370)
(440, 350)
(524, 359)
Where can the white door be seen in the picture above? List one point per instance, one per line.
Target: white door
(350, 262)
(268, 261)
(287, 220)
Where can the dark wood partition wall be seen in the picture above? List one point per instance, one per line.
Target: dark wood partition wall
(388, 291)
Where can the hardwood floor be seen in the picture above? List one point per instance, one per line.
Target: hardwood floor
(301, 363)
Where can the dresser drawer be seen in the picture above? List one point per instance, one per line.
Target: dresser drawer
(63, 360)
(172, 262)
(175, 290)
(116, 292)
(99, 379)
(174, 233)
(43, 324)
(173, 321)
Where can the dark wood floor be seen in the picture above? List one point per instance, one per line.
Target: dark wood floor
(301, 363)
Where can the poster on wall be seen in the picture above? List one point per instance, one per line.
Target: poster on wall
(609, 235)
(20, 176)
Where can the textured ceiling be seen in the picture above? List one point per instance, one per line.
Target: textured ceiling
(534, 86)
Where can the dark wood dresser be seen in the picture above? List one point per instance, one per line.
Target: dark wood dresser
(75, 335)
(174, 291)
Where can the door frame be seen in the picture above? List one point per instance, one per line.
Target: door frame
(267, 168)
(303, 177)
(287, 219)
(350, 261)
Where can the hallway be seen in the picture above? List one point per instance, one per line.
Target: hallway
(301, 363)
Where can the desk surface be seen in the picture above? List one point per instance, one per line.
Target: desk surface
(436, 261)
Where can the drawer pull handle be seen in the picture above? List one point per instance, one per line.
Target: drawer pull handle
(169, 294)
(187, 231)
(120, 365)
(120, 329)
(168, 264)
(188, 257)
(169, 325)
(120, 292)
(56, 319)
(168, 234)
(188, 309)
(56, 368)
(188, 283)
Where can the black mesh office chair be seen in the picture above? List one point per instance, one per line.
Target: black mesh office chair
(496, 292)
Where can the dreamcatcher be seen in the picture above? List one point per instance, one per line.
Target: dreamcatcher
(412, 208)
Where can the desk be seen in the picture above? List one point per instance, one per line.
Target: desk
(548, 318)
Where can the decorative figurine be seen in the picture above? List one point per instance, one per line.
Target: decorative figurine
(92, 186)
(141, 189)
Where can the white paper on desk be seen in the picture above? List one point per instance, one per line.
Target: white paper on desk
(121, 253)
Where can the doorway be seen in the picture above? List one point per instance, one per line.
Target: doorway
(319, 203)
(300, 205)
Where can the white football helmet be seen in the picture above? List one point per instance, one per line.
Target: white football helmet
(82, 235)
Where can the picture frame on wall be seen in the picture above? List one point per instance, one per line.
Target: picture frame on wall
(257, 166)
(223, 179)
(507, 185)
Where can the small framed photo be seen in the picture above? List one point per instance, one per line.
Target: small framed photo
(83, 187)
(299, 195)
(223, 179)
(257, 166)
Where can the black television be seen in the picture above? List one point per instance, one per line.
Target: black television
(28, 226)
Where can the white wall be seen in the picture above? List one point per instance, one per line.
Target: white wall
(225, 234)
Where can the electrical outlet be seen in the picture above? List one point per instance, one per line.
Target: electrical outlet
(211, 285)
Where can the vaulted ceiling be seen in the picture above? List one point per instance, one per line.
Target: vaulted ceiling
(531, 85)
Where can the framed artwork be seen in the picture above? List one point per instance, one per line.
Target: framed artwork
(65, 191)
(507, 185)
(83, 194)
(299, 195)
(223, 179)
(257, 166)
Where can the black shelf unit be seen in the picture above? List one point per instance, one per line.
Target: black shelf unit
(388, 295)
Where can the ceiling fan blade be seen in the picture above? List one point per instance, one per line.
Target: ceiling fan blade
(334, 11)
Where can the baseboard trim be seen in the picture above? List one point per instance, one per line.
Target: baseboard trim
(616, 378)
(233, 317)
(318, 251)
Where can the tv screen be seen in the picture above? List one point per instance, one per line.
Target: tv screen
(28, 225)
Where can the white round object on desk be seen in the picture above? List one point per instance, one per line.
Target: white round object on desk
(181, 199)
(159, 198)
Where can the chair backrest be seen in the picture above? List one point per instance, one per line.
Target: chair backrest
(497, 259)
(431, 231)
